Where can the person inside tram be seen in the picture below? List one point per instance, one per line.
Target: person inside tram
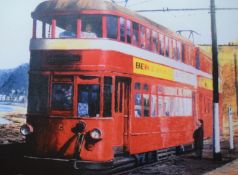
(88, 33)
(68, 32)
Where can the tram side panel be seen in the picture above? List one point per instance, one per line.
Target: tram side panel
(148, 133)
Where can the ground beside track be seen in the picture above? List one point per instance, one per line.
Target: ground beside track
(11, 162)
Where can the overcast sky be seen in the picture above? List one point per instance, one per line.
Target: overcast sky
(16, 23)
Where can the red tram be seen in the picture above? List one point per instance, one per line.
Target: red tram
(106, 82)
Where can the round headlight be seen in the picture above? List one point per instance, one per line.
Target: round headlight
(26, 129)
(95, 134)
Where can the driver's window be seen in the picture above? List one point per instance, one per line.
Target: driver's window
(88, 100)
(62, 96)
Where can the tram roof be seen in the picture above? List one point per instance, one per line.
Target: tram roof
(58, 6)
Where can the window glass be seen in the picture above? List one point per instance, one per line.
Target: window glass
(153, 105)
(188, 54)
(146, 87)
(146, 105)
(135, 38)
(39, 29)
(118, 95)
(188, 108)
(197, 59)
(62, 96)
(137, 86)
(148, 39)
(166, 46)
(170, 48)
(66, 26)
(88, 100)
(128, 32)
(161, 42)
(174, 50)
(46, 30)
(160, 106)
(179, 48)
(138, 106)
(183, 53)
(107, 97)
(38, 94)
(155, 41)
(112, 27)
(91, 26)
(122, 29)
(172, 106)
(142, 37)
(166, 106)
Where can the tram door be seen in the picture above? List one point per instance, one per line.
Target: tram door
(122, 105)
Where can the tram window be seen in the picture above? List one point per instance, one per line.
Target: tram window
(146, 101)
(128, 31)
(146, 87)
(112, 27)
(155, 41)
(161, 41)
(38, 94)
(47, 31)
(188, 108)
(66, 26)
(166, 46)
(160, 106)
(88, 100)
(153, 105)
(138, 106)
(148, 39)
(91, 26)
(135, 37)
(183, 53)
(197, 59)
(39, 29)
(170, 48)
(142, 37)
(118, 95)
(122, 29)
(62, 96)
(107, 97)
(174, 50)
(179, 50)
(166, 106)
(190, 59)
(137, 86)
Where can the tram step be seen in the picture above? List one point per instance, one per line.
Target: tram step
(165, 153)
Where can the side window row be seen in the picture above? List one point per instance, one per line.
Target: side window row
(171, 102)
(113, 27)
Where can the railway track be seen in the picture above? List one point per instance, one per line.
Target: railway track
(162, 157)
(12, 156)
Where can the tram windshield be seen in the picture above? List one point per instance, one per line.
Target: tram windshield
(67, 26)
(88, 100)
(62, 96)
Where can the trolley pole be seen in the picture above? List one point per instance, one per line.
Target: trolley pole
(216, 129)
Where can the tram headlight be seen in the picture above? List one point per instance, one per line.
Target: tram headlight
(26, 129)
(96, 134)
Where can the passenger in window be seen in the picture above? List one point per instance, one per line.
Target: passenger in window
(88, 32)
(134, 40)
(142, 37)
(68, 32)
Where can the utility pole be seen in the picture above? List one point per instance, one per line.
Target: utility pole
(216, 129)
(236, 83)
